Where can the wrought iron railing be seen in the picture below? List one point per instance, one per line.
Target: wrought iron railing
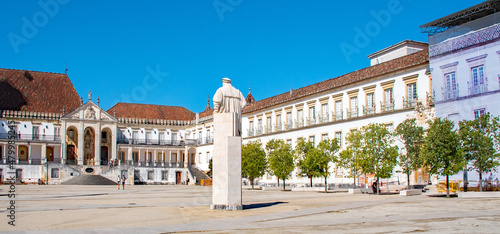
(449, 93)
(478, 88)
(31, 137)
(135, 141)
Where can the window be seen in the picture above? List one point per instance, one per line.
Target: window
(477, 75)
(208, 156)
(104, 135)
(160, 157)
(269, 124)
(259, 126)
(174, 136)
(54, 173)
(370, 103)
(451, 87)
(478, 84)
(311, 139)
(324, 112)
(164, 175)
(388, 100)
(35, 132)
(278, 122)
(312, 114)
(479, 112)
(57, 132)
(199, 157)
(135, 156)
(121, 156)
(340, 171)
(151, 175)
(338, 135)
(289, 142)
(300, 118)
(412, 94)
(338, 109)
(324, 136)
(251, 129)
(289, 119)
(354, 106)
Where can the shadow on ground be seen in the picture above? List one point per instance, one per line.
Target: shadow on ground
(261, 205)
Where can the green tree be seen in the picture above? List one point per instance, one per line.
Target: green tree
(304, 158)
(347, 158)
(442, 152)
(376, 154)
(480, 144)
(412, 137)
(323, 155)
(253, 161)
(210, 168)
(280, 158)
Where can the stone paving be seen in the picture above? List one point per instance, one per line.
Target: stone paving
(161, 209)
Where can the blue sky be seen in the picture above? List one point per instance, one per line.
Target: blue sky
(176, 52)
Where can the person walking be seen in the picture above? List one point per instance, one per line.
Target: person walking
(118, 181)
(123, 182)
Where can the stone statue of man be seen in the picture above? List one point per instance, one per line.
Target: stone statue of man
(228, 99)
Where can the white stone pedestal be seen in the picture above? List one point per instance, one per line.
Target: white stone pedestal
(226, 165)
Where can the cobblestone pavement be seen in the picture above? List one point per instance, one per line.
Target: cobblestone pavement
(160, 209)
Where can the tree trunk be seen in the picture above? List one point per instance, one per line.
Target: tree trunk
(251, 182)
(283, 184)
(326, 185)
(378, 185)
(278, 182)
(447, 186)
(408, 176)
(480, 181)
(311, 179)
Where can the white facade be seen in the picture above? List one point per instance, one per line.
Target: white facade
(465, 66)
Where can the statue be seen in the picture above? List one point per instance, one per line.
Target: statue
(228, 99)
(226, 165)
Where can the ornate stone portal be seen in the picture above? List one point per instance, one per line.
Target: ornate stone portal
(226, 187)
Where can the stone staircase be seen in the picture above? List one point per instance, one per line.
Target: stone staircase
(89, 180)
(198, 174)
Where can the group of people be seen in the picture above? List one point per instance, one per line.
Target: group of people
(113, 163)
(121, 179)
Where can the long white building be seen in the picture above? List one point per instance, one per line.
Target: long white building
(61, 138)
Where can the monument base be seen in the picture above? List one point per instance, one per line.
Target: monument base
(226, 165)
(226, 207)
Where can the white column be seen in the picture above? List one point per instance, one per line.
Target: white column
(81, 135)
(29, 153)
(97, 149)
(178, 159)
(63, 143)
(44, 153)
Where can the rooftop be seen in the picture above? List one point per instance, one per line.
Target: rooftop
(35, 91)
(148, 111)
(458, 18)
(415, 59)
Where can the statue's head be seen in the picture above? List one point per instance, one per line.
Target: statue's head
(226, 80)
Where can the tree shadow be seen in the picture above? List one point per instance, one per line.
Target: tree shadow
(261, 205)
(10, 97)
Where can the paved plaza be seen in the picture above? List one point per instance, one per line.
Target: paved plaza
(162, 209)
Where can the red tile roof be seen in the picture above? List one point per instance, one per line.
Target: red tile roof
(206, 113)
(37, 91)
(415, 59)
(147, 111)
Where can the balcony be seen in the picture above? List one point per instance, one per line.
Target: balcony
(478, 88)
(409, 103)
(370, 110)
(352, 113)
(159, 142)
(32, 137)
(449, 93)
(339, 116)
(388, 106)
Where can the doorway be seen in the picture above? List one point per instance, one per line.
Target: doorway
(177, 177)
(70, 155)
(19, 175)
(50, 154)
(104, 155)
